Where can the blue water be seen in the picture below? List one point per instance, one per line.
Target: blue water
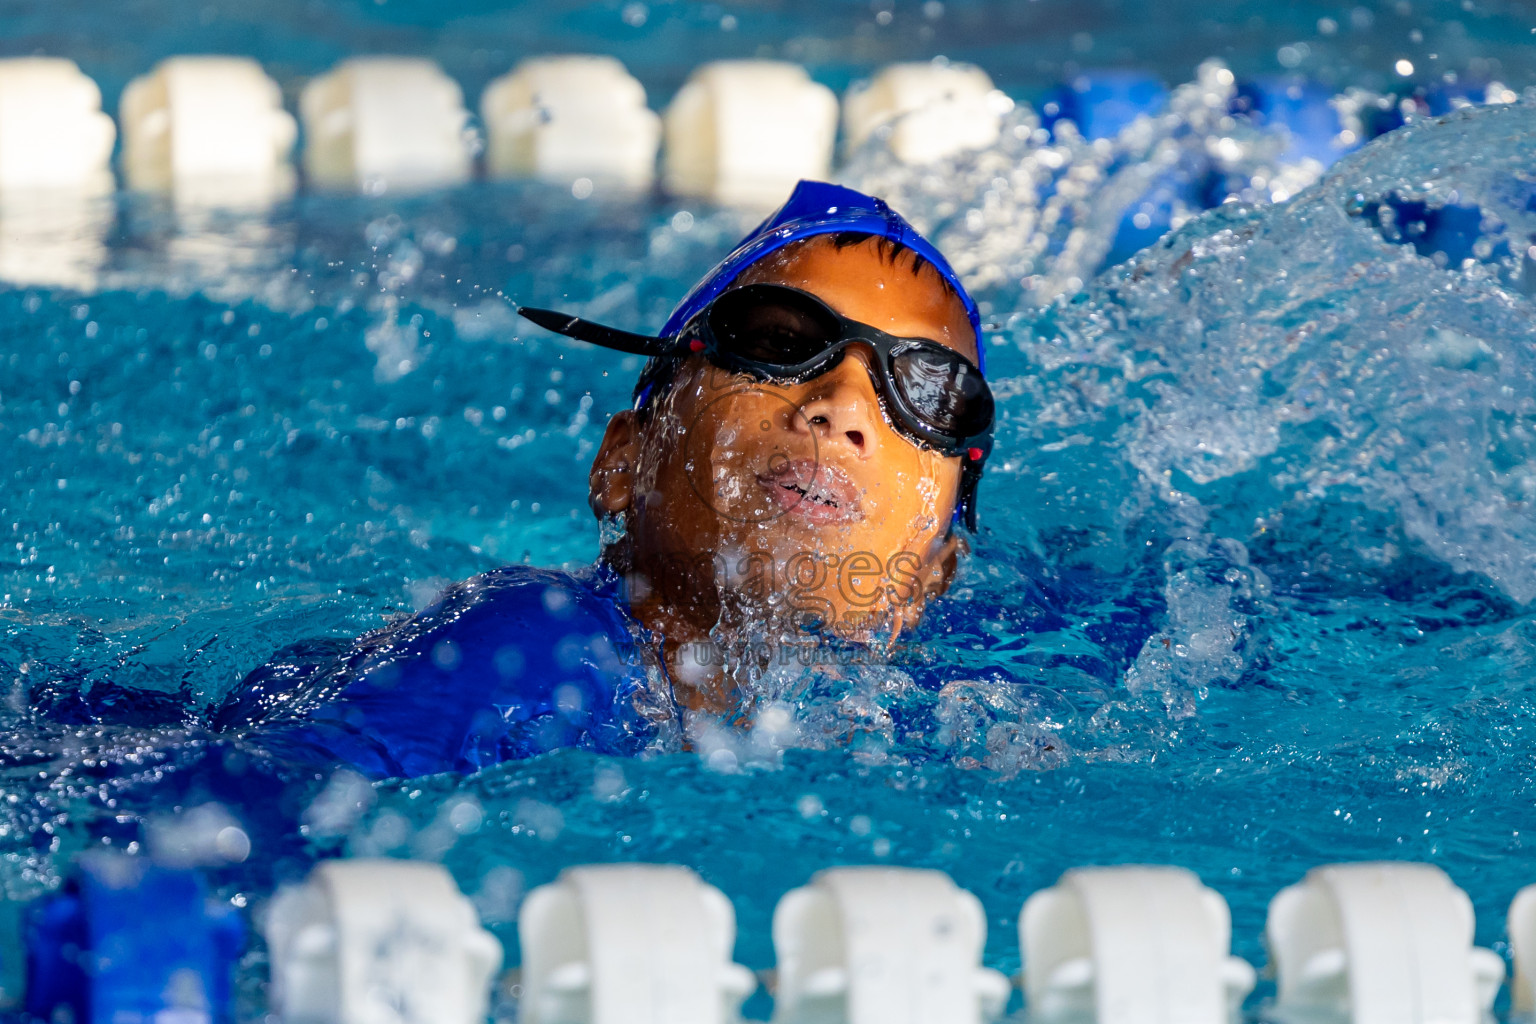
(1252, 591)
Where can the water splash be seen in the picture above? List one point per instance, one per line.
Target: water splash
(1272, 361)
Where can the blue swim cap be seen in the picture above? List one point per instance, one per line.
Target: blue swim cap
(820, 208)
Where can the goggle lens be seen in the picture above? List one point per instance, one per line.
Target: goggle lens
(774, 327)
(943, 389)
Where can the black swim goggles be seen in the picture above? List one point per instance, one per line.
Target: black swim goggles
(932, 394)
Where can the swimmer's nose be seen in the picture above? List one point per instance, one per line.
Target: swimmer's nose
(841, 407)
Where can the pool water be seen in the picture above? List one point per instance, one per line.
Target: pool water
(1252, 588)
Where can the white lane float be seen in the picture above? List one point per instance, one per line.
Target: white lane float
(1131, 945)
(875, 945)
(373, 941)
(1522, 945)
(930, 111)
(1380, 943)
(53, 133)
(743, 132)
(565, 118)
(210, 130)
(626, 943)
(55, 175)
(385, 124)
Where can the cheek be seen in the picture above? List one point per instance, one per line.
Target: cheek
(707, 452)
(916, 496)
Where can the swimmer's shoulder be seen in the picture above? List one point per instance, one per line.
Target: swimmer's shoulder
(510, 613)
(525, 597)
(505, 664)
(520, 618)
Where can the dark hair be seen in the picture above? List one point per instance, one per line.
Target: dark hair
(891, 251)
(658, 374)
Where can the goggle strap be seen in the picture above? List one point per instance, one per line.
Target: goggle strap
(597, 334)
(970, 479)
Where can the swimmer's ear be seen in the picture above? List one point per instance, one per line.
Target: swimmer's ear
(612, 482)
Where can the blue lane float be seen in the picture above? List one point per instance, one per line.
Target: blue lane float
(128, 941)
(1304, 110)
(1100, 104)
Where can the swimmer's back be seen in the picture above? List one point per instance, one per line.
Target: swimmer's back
(509, 664)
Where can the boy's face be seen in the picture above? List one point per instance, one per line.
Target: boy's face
(794, 504)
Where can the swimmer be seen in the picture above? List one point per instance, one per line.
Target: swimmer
(796, 472)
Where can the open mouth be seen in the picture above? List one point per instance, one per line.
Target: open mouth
(812, 491)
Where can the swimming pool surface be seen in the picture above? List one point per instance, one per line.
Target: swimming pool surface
(1252, 591)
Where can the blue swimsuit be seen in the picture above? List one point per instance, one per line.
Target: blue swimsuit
(509, 664)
